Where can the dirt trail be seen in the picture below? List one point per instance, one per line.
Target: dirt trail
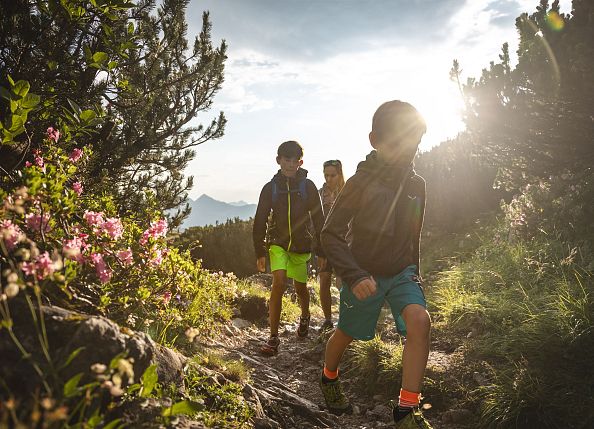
(286, 385)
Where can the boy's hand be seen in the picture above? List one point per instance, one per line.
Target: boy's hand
(364, 288)
(322, 263)
(261, 264)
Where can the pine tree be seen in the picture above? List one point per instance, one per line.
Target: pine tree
(130, 68)
(535, 120)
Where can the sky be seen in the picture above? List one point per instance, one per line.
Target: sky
(315, 71)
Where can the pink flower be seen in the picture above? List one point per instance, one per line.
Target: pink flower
(72, 249)
(28, 268)
(167, 297)
(53, 134)
(35, 222)
(11, 234)
(28, 164)
(75, 155)
(94, 219)
(125, 257)
(157, 258)
(157, 229)
(39, 162)
(113, 227)
(44, 266)
(103, 271)
(77, 187)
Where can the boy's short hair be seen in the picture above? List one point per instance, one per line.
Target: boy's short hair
(396, 120)
(290, 149)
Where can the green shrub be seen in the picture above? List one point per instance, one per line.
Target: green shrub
(531, 308)
(378, 364)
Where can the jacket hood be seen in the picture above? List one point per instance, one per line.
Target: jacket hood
(301, 174)
(380, 170)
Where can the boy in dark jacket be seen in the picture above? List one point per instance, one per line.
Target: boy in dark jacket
(294, 202)
(384, 204)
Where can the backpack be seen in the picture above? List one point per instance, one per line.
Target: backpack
(301, 190)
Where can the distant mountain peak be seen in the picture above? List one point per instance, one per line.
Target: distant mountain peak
(207, 211)
(205, 197)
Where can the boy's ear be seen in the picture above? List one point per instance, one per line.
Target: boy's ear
(300, 162)
(373, 140)
(278, 160)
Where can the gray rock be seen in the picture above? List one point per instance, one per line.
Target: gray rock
(381, 412)
(241, 323)
(480, 379)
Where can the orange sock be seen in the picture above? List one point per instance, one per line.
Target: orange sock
(330, 375)
(408, 399)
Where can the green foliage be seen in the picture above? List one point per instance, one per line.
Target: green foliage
(222, 403)
(119, 77)
(20, 103)
(378, 364)
(226, 247)
(533, 121)
(100, 263)
(234, 370)
(59, 244)
(459, 185)
(530, 306)
(72, 404)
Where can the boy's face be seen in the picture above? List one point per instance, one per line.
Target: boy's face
(289, 166)
(404, 151)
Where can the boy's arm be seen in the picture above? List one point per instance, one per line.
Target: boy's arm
(419, 227)
(261, 220)
(334, 233)
(314, 205)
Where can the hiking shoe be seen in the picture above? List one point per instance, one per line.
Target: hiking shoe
(270, 347)
(303, 328)
(326, 326)
(413, 420)
(336, 400)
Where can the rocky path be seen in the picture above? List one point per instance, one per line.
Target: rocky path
(285, 387)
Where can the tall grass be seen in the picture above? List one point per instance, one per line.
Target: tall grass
(378, 363)
(530, 306)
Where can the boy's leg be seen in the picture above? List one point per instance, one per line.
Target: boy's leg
(335, 399)
(416, 349)
(303, 294)
(335, 348)
(325, 296)
(297, 270)
(408, 305)
(279, 279)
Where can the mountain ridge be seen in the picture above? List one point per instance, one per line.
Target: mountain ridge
(207, 210)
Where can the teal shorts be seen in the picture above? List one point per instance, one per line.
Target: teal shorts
(358, 319)
(295, 264)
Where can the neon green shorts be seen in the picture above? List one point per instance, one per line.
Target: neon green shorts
(295, 264)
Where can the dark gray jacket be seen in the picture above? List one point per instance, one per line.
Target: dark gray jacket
(384, 238)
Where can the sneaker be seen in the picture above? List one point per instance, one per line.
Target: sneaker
(413, 420)
(336, 400)
(326, 326)
(303, 329)
(270, 347)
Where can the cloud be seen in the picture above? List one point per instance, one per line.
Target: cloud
(311, 30)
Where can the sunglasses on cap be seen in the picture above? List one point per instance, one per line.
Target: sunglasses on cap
(332, 162)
